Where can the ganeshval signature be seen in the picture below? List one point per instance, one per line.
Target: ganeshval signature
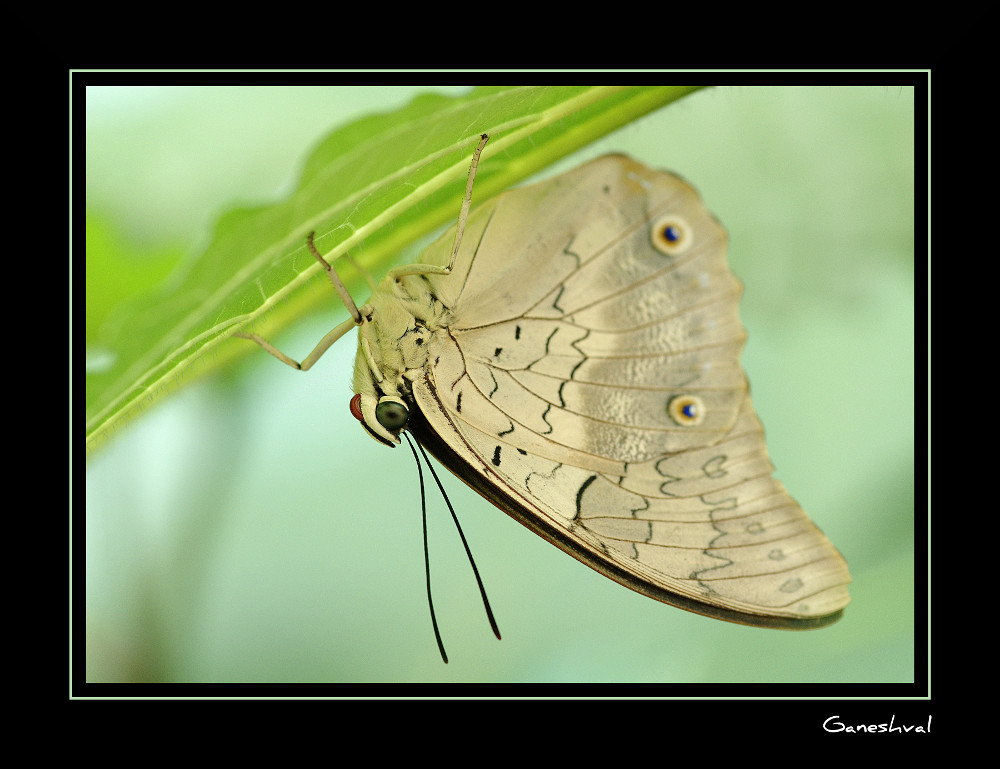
(835, 724)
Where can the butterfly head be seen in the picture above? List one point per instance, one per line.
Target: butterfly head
(392, 352)
(378, 403)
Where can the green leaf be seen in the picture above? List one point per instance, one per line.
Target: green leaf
(370, 187)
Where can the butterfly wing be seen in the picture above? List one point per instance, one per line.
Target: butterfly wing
(575, 332)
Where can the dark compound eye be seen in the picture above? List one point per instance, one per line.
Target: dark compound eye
(392, 415)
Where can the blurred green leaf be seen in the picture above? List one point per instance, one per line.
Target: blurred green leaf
(118, 271)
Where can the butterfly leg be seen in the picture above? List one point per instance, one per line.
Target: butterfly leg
(324, 344)
(463, 215)
(335, 280)
(327, 341)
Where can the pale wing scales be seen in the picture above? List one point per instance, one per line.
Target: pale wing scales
(687, 303)
(519, 344)
(602, 436)
(513, 251)
(749, 556)
(643, 408)
(627, 272)
(566, 343)
(673, 370)
(707, 470)
(458, 397)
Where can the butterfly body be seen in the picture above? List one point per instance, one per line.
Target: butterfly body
(578, 365)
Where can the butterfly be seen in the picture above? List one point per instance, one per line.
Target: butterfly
(571, 350)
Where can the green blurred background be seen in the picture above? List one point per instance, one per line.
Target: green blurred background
(246, 529)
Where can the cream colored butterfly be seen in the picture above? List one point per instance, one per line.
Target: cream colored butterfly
(574, 358)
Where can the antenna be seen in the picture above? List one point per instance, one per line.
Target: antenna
(465, 544)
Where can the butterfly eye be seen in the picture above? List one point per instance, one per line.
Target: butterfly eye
(671, 235)
(392, 415)
(686, 410)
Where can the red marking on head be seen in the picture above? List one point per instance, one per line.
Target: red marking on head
(356, 407)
